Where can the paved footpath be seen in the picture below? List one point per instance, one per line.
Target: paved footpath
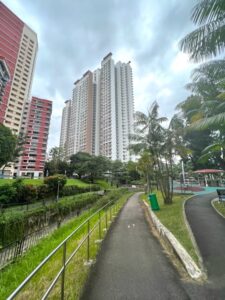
(132, 264)
(209, 231)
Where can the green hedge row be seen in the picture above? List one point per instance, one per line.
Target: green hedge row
(16, 224)
(69, 190)
(20, 193)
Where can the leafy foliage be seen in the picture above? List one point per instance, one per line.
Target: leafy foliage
(55, 182)
(208, 39)
(8, 143)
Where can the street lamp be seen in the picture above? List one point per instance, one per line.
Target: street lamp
(57, 195)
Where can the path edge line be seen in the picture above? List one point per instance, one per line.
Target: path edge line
(191, 234)
(192, 269)
(212, 203)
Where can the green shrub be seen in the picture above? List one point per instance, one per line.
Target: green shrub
(7, 193)
(15, 225)
(29, 193)
(73, 190)
(43, 192)
(55, 182)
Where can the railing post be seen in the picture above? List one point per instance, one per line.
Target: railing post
(110, 212)
(99, 225)
(88, 242)
(106, 219)
(63, 272)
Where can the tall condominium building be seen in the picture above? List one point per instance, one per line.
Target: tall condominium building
(108, 141)
(18, 46)
(81, 120)
(35, 126)
(124, 108)
(101, 112)
(64, 142)
(4, 77)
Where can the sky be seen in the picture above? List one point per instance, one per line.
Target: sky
(75, 35)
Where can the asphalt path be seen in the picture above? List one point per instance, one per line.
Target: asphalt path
(208, 228)
(132, 264)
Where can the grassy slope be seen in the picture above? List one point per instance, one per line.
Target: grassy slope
(220, 207)
(172, 217)
(15, 273)
(103, 184)
(76, 182)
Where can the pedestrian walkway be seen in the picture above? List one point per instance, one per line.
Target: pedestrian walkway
(209, 231)
(132, 264)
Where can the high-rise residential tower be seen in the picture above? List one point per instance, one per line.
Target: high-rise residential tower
(64, 142)
(18, 46)
(107, 136)
(81, 120)
(124, 108)
(101, 112)
(18, 49)
(4, 77)
(35, 126)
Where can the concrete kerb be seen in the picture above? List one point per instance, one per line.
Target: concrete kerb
(212, 203)
(191, 267)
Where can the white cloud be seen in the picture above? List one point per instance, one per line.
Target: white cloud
(75, 37)
(181, 63)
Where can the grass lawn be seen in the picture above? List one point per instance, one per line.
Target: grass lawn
(220, 207)
(76, 182)
(76, 272)
(172, 217)
(103, 184)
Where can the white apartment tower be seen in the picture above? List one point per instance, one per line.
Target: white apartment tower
(81, 117)
(65, 125)
(124, 108)
(107, 135)
(101, 112)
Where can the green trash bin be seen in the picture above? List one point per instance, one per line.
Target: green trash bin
(153, 201)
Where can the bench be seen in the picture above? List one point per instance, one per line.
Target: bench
(221, 195)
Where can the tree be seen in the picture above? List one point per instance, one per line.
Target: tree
(55, 183)
(8, 145)
(208, 40)
(119, 172)
(132, 171)
(80, 163)
(203, 111)
(146, 167)
(57, 164)
(150, 136)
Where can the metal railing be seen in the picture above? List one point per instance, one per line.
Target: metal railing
(100, 218)
(15, 249)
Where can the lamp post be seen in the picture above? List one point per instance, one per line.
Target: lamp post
(57, 195)
(183, 173)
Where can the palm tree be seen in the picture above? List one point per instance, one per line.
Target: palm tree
(209, 86)
(151, 137)
(208, 40)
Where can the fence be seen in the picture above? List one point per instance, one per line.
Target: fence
(67, 260)
(15, 249)
(10, 252)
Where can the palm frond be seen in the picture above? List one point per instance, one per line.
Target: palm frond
(205, 42)
(204, 158)
(212, 148)
(213, 69)
(208, 11)
(208, 122)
